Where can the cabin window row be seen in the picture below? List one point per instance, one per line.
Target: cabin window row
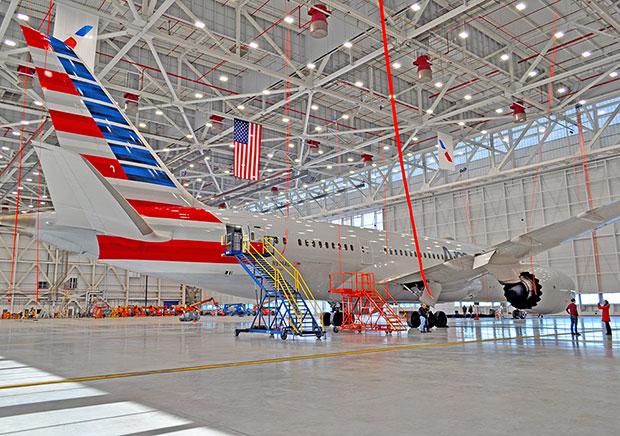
(320, 244)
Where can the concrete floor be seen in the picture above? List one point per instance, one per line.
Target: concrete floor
(443, 383)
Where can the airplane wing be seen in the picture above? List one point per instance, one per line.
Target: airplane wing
(498, 259)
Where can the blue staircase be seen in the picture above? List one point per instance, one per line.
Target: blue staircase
(283, 309)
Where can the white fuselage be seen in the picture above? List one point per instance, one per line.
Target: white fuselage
(316, 248)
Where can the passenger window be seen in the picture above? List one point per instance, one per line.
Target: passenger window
(320, 244)
(307, 245)
(390, 252)
(345, 247)
(313, 243)
(299, 242)
(333, 245)
(275, 240)
(351, 247)
(385, 250)
(284, 240)
(401, 252)
(339, 246)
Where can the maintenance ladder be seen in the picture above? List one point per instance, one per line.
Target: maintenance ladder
(364, 307)
(287, 305)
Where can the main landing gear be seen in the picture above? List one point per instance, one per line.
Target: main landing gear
(437, 319)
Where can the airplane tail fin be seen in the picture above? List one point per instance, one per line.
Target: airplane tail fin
(100, 149)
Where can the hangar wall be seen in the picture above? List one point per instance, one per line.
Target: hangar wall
(73, 277)
(495, 212)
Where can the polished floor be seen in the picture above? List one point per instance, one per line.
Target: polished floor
(476, 377)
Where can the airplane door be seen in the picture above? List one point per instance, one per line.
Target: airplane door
(365, 253)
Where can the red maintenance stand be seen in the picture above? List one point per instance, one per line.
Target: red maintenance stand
(364, 306)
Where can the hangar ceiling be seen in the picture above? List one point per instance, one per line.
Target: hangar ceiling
(197, 64)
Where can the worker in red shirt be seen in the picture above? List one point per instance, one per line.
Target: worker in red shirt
(604, 308)
(571, 309)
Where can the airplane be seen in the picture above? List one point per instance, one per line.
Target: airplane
(115, 201)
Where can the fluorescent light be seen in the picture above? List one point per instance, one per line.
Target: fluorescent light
(240, 107)
(559, 34)
(396, 65)
(467, 97)
(270, 155)
(429, 111)
(562, 90)
(345, 116)
(359, 83)
(347, 44)
(314, 107)
(189, 136)
(158, 112)
(586, 54)
(461, 123)
(613, 74)
(226, 172)
(464, 34)
(208, 125)
(285, 120)
(10, 42)
(329, 167)
(37, 103)
(14, 133)
(23, 17)
(533, 73)
(499, 110)
(199, 95)
(484, 132)
(521, 6)
(266, 91)
(310, 66)
(415, 7)
(288, 19)
(296, 160)
(386, 147)
(192, 166)
(318, 129)
(504, 57)
(142, 125)
(253, 44)
(199, 24)
(223, 78)
(582, 102)
(438, 84)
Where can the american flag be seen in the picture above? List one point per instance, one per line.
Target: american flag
(247, 149)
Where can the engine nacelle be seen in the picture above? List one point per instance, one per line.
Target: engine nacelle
(545, 291)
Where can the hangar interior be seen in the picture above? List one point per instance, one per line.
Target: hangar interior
(529, 93)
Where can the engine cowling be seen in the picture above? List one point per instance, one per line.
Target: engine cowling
(542, 291)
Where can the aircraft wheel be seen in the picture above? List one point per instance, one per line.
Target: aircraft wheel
(327, 319)
(414, 320)
(337, 319)
(283, 335)
(432, 320)
(441, 320)
(336, 329)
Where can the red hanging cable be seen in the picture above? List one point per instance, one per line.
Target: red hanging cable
(400, 148)
(36, 295)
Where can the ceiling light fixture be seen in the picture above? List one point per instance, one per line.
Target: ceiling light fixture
(318, 129)
(345, 116)
(291, 145)
(253, 44)
(347, 44)
(586, 54)
(429, 111)
(461, 123)
(266, 91)
(396, 65)
(562, 90)
(438, 84)
(142, 125)
(467, 97)
(613, 74)
(359, 83)
(240, 107)
(23, 17)
(208, 125)
(533, 73)
(464, 34)
(416, 7)
(10, 42)
(158, 112)
(521, 6)
(37, 103)
(504, 57)
(199, 24)
(314, 107)
(310, 66)
(285, 120)
(288, 19)
(199, 95)
(223, 78)
(559, 34)
(499, 110)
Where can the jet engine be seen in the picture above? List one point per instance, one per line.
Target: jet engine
(542, 291)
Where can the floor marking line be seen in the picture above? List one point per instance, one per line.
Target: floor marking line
(276, 360)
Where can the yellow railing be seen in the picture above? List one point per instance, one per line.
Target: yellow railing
(299, 282)
(279, 281)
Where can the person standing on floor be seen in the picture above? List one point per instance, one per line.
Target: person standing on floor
(423, 311)
(572, 311)
(605, 318)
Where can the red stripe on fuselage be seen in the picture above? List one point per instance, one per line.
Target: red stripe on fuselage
(35, 39)
(108, 167)
(154, 209)
(72, 123)
(118, 248)
(55, 81)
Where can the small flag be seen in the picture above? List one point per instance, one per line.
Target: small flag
(247, 138)
(445, 148)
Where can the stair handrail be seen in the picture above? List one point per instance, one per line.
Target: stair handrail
(279, 282)
(384, 301)
(298, 278)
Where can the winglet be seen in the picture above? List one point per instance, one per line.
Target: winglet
(82, 32)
